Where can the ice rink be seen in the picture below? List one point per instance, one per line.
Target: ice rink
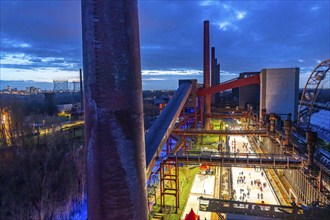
(203, 185)
(249, 184)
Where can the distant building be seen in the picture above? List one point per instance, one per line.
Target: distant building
(248, 94)
(32, 89)
(279, 91)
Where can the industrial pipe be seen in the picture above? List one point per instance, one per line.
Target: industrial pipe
(287, 125)
(311, 138)
(272, 119)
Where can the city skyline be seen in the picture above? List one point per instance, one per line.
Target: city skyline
(41, 41)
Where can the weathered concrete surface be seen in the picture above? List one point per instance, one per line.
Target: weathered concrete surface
(279, 91)
(114, 130)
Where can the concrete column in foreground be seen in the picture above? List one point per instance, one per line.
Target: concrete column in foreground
(206, 71)
(114, 130)
(311, 138)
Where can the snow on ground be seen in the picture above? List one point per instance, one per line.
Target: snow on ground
(242, 178)
(321, 123)
(203, 185)
(193, 203)
(321, 119)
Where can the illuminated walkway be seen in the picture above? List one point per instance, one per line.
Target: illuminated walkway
(203, 186)
(250, 184)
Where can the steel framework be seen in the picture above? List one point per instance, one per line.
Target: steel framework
(169, 182)
(61, 85)
(76, 86)
(310, 93)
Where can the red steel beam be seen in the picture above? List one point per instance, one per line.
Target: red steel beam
(229, 85)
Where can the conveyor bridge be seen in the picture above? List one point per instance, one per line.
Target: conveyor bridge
(262, 210)
(252, 160)
(160, 131)
(192, 132)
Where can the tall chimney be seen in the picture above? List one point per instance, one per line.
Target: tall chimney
(213, 67)
(213, 73)
(218, 73)
(206, 71)
(114, 130)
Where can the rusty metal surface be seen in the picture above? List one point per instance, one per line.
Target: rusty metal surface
(114, 131)
(229, 85)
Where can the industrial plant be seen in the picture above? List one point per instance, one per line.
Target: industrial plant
(253, 147)
(261, 158)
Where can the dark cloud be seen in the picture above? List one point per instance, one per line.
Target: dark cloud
(248, 35)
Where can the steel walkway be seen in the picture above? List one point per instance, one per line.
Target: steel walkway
(192, 132)
(262, 210)
(275, 161)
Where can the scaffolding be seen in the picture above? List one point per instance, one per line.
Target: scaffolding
(61, 85)
(169, 182)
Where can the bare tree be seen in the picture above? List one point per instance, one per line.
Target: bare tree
(43, 181)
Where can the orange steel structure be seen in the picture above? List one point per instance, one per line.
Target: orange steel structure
(229, 85)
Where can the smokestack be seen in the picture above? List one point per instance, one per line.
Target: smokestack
(81, 91)
(114, 130)
(213, 73)
(206, 71)
(213, 67)
(218, 73)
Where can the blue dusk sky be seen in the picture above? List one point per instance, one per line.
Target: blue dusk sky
(41, 40)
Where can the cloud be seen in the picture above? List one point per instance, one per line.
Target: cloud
(171, 72)
(314, 8)
(240, 15)
(247, 35)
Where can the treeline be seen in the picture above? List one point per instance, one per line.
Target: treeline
(42, 181)
(37, 104)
